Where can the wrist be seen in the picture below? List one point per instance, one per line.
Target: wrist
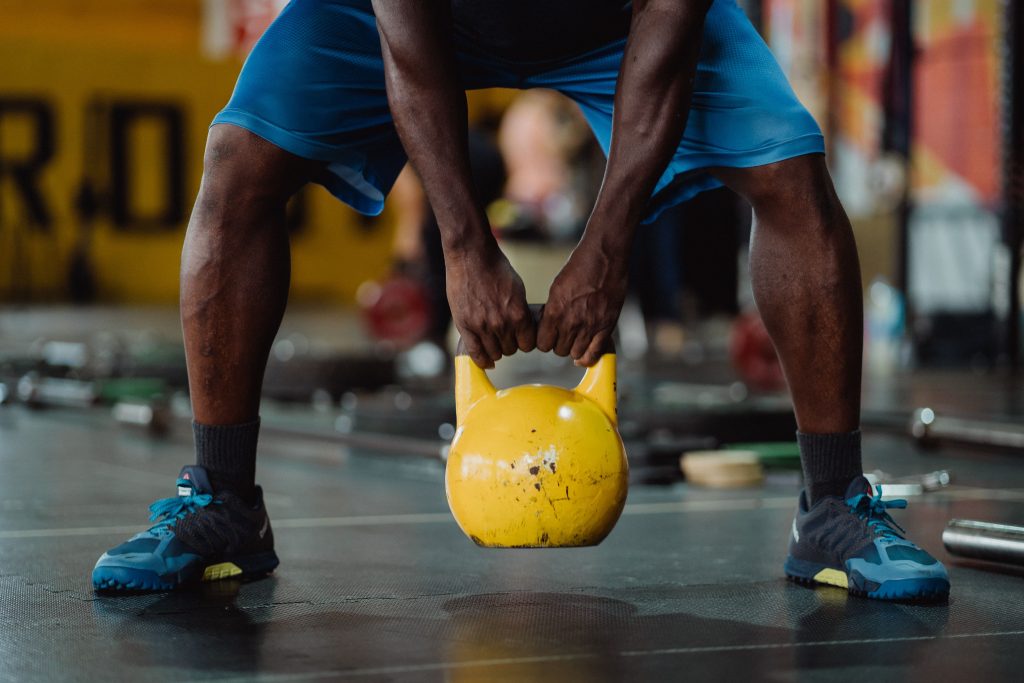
(470, 238)
(609, 257)
(610, 233)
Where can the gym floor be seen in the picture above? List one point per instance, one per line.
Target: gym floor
(378, 583)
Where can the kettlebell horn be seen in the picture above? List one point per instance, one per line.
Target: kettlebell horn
(471, 384)
(599, 385)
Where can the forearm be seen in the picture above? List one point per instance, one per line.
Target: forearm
(428, 105)
(652, 102)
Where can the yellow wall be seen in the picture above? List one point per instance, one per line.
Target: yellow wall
(70, 53)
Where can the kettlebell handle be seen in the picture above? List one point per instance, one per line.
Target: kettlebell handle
(472, 383)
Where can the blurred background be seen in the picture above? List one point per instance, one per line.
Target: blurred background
(104, 106)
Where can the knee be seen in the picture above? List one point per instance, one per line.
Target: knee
(796, 194)
(244, 175)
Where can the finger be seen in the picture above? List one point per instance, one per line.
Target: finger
(526, 334)
(564, 343)
(580, 345)
(492, 347)
(507, 339)
(476, 350)
(547, 334)
(597, 348)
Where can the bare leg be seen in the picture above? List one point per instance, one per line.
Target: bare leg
(235, 271)
(806, 277)
(806, 280)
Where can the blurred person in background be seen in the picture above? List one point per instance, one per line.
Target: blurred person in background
(554, 167)
(656, 279)
(683, 96)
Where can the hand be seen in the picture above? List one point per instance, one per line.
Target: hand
(584, 304)
(488, 303)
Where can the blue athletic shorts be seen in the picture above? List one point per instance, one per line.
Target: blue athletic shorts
(314, 86)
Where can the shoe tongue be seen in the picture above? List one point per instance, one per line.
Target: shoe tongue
(197, 477)
(858, 486)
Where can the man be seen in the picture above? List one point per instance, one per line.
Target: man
(683, 96)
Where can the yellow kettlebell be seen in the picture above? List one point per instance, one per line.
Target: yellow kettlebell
(536, 466)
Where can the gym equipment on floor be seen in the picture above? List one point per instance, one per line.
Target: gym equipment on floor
(985, 541)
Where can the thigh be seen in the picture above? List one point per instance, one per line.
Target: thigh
(743, 112)
(313, 86)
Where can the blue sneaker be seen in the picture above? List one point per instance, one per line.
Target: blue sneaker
(853, 543)
(201, 535)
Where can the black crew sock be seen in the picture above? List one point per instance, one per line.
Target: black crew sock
(228, 453)
(830, 462)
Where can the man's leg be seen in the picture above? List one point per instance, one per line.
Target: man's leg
(806, 280)
(234, 285)
(235, 272)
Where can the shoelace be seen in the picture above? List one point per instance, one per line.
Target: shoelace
(170, 510)
(875, 511)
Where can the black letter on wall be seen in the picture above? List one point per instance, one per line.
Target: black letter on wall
(24, 172)
(123, 116)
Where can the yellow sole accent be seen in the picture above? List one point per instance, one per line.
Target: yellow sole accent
(832, 577)
(223, 570)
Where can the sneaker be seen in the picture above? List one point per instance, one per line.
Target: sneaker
(201, 535)
(853, 543)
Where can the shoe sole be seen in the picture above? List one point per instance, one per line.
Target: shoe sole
(921, 589)
(245, 567)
